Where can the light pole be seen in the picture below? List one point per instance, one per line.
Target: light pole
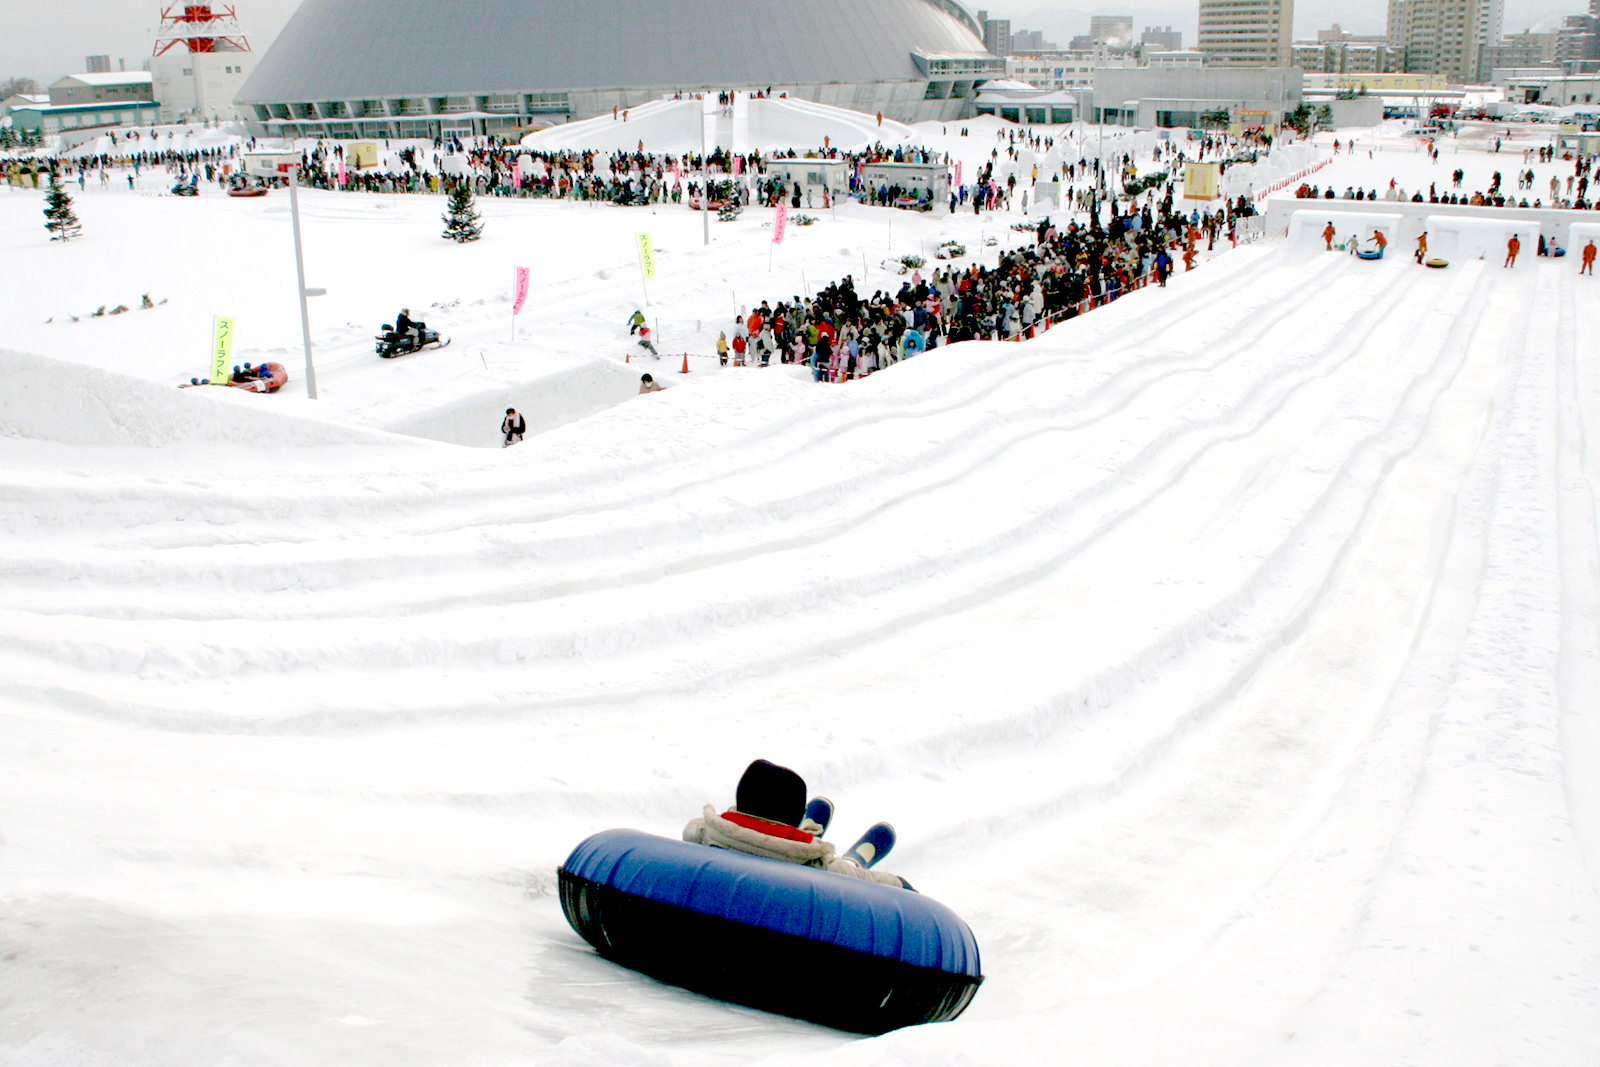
(705, 170)
(293, 170)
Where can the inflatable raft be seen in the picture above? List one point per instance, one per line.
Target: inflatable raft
(786, 938)
(1370, 253)
(1436, 263)
(275, 378)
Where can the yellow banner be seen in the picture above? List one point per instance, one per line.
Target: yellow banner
(221, 348)
(647, 257)
(1201, 181)
(364, 154)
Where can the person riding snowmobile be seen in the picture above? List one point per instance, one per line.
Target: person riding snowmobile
(405, 328)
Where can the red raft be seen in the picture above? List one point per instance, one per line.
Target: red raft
(275, 378)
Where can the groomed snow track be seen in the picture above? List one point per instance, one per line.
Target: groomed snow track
(1220, 648)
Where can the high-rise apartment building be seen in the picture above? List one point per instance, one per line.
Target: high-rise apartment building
(996, 33)
(1246, 33)
(1437, 36)
(97, 64)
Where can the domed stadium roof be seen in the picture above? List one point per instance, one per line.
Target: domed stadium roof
(361, 49)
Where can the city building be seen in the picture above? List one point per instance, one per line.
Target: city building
(88, 102)
(1055, 70)
(1578, 43)
(1558, 90)
(1437, 37)
(996, 34)
(97, 64)
(1336, 51)
(1160, 39)
(1179, 96)
(1246, 33)
(1115, 32)
(1518, 51)
(420, 68)
(1167, 60)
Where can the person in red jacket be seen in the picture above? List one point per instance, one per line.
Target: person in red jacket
(1587, 267)
(1512, 247)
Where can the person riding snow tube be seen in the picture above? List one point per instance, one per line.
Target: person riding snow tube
(770, 917)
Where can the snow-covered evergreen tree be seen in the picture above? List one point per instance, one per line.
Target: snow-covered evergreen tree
(58, 215)
(461, 221)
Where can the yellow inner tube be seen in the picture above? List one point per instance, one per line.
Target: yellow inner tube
(1437, 262)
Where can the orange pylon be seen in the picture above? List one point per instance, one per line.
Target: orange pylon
(685, 369)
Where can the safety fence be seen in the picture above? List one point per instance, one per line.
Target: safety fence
(1292, 179)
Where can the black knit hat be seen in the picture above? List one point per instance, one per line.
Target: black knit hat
(771, 792)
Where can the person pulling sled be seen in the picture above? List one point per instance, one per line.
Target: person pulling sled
(771, 817)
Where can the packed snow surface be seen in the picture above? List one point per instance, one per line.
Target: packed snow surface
(1227, 657)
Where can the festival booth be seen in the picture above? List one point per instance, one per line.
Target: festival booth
(921, 184)
(814, 176)
(1459, 237)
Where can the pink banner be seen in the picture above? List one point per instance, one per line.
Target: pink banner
(738, 165)
(342, 179)
(519, 291)
(781, 223)
(958, 174)
(516, 175)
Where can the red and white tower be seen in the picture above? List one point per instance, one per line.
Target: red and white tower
(200, 62)
(200, 28)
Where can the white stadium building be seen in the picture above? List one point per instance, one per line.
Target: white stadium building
(416, 68)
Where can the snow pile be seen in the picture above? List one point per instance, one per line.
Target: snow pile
(49, 400)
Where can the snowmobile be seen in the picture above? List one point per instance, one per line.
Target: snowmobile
(390, 344)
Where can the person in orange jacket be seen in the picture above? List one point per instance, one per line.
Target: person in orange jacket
(1587, 267)
(1422, 246)
(1328, 235)
(1512, 247)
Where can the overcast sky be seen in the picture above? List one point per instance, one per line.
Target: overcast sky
(46, 41)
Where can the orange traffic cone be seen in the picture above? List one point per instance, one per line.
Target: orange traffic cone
(685, 369)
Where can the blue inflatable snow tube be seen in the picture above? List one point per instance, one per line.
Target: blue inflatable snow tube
(796, 940)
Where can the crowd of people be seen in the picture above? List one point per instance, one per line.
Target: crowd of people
(1572, 193)
(841, 334)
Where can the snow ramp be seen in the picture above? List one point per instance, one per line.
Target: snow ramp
(47, 399)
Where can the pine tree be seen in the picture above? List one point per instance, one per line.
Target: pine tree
(461, 222)
(59, 219)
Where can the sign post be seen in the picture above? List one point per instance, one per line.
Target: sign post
(221, 348)
(647, 264)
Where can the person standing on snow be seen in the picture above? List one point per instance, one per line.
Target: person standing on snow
(1512, 247)
(1587, 267)
(1422, 246)
(1328, 235)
